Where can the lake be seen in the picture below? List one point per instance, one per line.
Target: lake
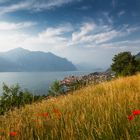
(36, 82)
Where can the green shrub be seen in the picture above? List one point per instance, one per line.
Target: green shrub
(14, 97)
(55, 89)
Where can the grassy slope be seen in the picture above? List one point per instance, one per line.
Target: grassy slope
(92, 113)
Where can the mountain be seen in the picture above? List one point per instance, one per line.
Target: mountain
(20, 59)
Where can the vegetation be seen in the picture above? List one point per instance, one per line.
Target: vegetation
(125, 64)
(138, 62)
(55, 89)
(14, 97)
(93, 113)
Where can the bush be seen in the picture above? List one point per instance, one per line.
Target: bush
(14, 97)
(55, 89)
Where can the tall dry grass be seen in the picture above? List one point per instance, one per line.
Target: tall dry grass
(92, 113)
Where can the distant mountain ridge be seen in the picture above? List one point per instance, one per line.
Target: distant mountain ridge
(20, 59)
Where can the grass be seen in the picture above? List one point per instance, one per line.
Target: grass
(93, 113)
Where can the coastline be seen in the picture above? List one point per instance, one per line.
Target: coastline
(71, 83)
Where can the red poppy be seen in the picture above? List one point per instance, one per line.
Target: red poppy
(136, 112)
(131, 117)
(13, 134)
(45, 114)
(56, 111)
(37, 114)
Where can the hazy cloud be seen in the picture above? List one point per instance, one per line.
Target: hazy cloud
(84, 8)
(34, 5)
(15, 26)
(114, 3)
(3, 1)
(121, 13)
(85, 29)
(127, 45)
(15, 7)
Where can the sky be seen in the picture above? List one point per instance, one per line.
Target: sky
(87, 32)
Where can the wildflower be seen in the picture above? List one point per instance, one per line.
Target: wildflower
(57, 112)
(1, 137)
(13, 134)
(37, 114)
(131, 117)
(136, 112)
(43, 114)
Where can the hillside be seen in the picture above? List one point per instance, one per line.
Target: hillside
(93, 113)
(20, 59)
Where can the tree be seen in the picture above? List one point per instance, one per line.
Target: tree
(55, 89)
(138, 63)
(124, 64)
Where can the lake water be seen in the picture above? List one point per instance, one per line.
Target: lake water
(35, 82)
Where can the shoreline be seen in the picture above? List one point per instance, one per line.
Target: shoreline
(72, 83)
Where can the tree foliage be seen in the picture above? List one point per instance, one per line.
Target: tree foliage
(55, 89)
(138, 63)
(124, 64)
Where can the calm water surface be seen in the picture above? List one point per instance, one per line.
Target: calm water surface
(36, 82)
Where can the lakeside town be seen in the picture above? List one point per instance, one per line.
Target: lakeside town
(74, 82)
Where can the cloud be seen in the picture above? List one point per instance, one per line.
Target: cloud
(15, 7)
(50, 4)
(99, 38)
(35, 5)
(129, 45)
(121, 13)
(51, 39)
(3, 1)
(84, 8)
(105, 36)
(108, 18)
(84, 30)
(114, 3)
(56, 31)
(90, 42)
(88, 35)
(15, 26)
(92, 33)
(130, 30)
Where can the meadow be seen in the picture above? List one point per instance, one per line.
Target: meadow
(92, 113)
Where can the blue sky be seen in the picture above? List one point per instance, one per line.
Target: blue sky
(84, 31)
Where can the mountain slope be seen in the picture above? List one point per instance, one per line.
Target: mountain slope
(23, 60)
(93, 113)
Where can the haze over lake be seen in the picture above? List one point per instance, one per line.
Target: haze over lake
(35, 82)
